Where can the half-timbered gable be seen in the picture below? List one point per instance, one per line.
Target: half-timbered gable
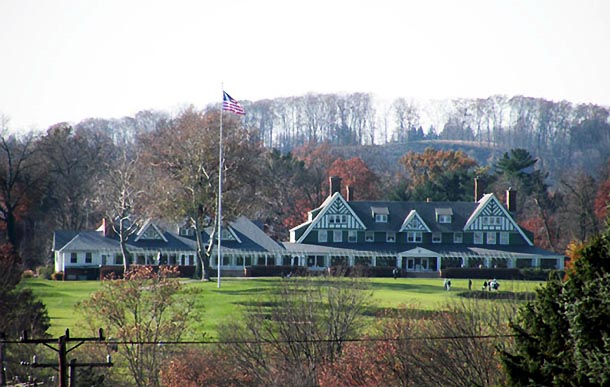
(414, 222)
(491, 217)
(335, 216)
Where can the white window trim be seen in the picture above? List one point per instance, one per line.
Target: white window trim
(417, 236)
(444, 219)
(381, 218)
(504, 238)
(437, 237)
(337, 233)
(390, 237)
(369, 236)
(458, 237)
(352, 236)
(479, 240)
(491, 238)
(322, 236)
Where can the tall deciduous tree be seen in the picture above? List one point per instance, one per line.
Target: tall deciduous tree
(184, 160)
(356, 174)
(21, 180)
(120, 193)
(432, 164)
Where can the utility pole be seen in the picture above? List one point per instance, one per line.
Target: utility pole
(2, 372)
(62, 351)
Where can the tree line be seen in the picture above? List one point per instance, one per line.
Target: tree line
(165, 167)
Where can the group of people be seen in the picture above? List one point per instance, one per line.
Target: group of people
(491, 285)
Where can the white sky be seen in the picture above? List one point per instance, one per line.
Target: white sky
(66, 60)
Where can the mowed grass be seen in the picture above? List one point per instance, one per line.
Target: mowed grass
(216, 305)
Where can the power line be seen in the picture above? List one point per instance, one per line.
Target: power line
(348, 340)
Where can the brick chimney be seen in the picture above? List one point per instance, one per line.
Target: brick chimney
(105, 228)
(479, 189)
(349, 193)
(511, 200)
(335, 184)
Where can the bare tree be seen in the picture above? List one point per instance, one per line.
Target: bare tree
(183, 157)
(307, 325)
(119, 193)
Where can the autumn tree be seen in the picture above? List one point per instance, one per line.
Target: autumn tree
(183, 157)
(317, 159)
(282, 200)
(358, 176)
(432, 164)
(140, 312)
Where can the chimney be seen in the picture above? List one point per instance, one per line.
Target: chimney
(105, 228)
(335, 184)
(350, 193)
(511, 200)
(479, 189)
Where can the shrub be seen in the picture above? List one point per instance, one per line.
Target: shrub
(57, 276)
(45, 271)
(27, 274)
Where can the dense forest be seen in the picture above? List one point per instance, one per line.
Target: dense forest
(279, 156)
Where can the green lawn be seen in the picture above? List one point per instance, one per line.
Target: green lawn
(227, 302)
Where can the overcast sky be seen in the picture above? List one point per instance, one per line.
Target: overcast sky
(66, 60)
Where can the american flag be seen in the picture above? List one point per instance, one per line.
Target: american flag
(230, 104)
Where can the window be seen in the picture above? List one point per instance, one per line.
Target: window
(390, 237)
(381, 218)
(414, 237)
(444, 218)
(88, 257)
(504, 238)
(458, 237)
(491, 238)
(118, 259)
(73, 257)
(315, 261)
(436, 237)
(352, 236)
(364, 261)
(478, 238)
(337, 236)
(491, 220)
(385, 261)
(369, 236)
(322, 236)
(337, 219)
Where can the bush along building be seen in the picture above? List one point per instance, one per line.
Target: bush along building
(416, 237)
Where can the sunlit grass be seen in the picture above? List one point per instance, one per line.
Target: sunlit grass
(218, 305)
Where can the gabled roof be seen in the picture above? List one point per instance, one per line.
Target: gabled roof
(483, 203)
(410, 218)
(249, 237)
(324, 209)
(425, 211)
(144, 229)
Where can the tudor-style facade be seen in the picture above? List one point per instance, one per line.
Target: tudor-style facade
(416, 236)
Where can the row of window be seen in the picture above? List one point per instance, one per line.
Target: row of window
(140, 259)
(479, 237)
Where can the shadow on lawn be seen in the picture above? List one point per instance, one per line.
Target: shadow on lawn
(401, 286)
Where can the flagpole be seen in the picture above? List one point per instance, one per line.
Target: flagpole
(219, 256)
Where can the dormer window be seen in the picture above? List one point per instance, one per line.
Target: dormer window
(380, 214)
(444, 215)
(381, 218)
